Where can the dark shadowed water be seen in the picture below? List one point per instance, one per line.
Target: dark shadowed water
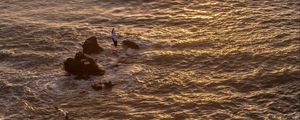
(199, 59)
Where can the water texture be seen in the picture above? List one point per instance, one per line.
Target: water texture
(199, 59)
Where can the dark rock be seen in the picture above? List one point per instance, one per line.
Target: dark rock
(82, 66)
(91, 46)
(68, 65)
(130, 44)
(79, 77)
(108, 85)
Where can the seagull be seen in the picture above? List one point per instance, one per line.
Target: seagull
(63, 112)
(114, 37)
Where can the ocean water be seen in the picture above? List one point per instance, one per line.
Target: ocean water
(199, 59)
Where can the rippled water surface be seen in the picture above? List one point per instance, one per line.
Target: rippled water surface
(199, 59)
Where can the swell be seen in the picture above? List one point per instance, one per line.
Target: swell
(198, 59)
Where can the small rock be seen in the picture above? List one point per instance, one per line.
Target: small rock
(83, 92)
(100, 86)
(130, 44)
(108, 85)
(97, 87)
(91, 46)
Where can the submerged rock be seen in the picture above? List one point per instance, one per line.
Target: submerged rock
(91, 46)
(83, 66)
(100, 86)
(131, 44)
(108, 85)
(97, 87)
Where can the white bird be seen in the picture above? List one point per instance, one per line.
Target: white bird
(114, 37)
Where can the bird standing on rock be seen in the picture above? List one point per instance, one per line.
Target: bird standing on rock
(114, 37)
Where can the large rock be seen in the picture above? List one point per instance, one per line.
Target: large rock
(82, 65)
(91, 46)
(130, 44)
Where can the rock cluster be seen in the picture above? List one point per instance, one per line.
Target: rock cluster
(82, 65)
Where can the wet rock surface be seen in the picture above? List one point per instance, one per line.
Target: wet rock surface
(91, 46)
(130, 44)
(82, 66)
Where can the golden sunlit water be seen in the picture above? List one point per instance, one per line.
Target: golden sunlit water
(199, 59)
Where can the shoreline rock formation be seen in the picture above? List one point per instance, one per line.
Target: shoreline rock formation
(82, 66)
